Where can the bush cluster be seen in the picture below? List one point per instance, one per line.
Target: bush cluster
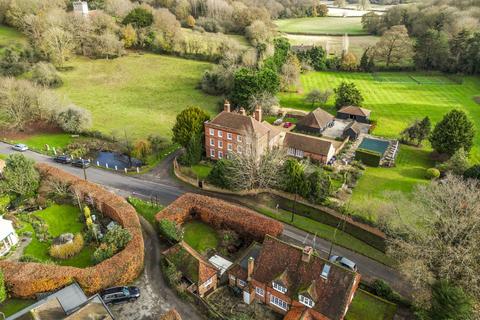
(114, 240)
(67, 250)
(170, 230)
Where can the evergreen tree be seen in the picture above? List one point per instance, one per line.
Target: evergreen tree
(455, 131)
(364, 61)
(193, 152)
(3, 290)
(424, 129)
(347, 94)
(450, 302)
(189, 122)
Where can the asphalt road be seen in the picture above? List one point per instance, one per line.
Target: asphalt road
(160, 185)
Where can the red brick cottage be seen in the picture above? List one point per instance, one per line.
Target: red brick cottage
(294, 281)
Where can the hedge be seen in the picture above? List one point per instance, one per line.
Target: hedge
(368, 157)
(367, 234)
(220, 214)
(25, 279)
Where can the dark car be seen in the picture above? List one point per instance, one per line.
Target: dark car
(63, 159)
(80, 163)
(344, 262)
(120, 294)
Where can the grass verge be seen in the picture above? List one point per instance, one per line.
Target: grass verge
(146, 209)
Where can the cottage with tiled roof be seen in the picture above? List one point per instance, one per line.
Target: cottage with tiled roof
(354, 113)
(236, 132)
(316, 121)
(194, 267)
(305, 146)
(298, 283)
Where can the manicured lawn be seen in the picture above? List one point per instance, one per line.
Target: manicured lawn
(202, 170)
(9, 36)
(60, 219)
(54, 140)
(200, 236)
(326, 232)
(400, 100)
(146, 209)
(140, 93)
(366, 306)
(11, 306)
(322, 25)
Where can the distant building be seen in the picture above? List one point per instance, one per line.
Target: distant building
(8, 237)
(236, 132)
(294, 281)
(69, 303)
(354, 113)
(315, 122)
(80, 7)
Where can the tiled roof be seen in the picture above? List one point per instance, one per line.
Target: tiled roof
(239, 269)
(278, 257)
(171, 315)
(298, 313)
(307, 143)
(193, 265)
(317, 119)
(242, 123)
(355, 126)
(356, 111)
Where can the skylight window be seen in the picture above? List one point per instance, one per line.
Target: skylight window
(326, 271)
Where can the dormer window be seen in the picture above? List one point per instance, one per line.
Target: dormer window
(326, 271)
(278, 287)
(306, 301)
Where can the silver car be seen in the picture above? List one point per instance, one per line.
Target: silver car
(344, 262)
(20, 147)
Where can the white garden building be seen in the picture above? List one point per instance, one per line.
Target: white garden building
(8, 237)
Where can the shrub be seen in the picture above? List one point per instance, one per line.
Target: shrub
(172, 275)
(19, 176)
(45, 74)
(450, 302)
(432, 173)
(383, 290)
(67, 250)
(169, 230)
(3, 290)
(117, 237)
(139, 18)
(74, 119)
(103, 252)
(473, 172)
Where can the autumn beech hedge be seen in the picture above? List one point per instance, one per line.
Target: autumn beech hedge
(25, 279)
(220, 214)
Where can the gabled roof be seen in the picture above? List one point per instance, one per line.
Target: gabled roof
(307, 143)
(241, 123)
(355, 126)
(239, 269)
(298, 313)
(317, 119)
(192, 264)
(332, 294)
(356, 111)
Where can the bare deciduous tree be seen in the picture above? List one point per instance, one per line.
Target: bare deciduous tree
(394, 46)
(57, 44)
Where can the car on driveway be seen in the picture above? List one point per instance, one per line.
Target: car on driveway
(63, 159)
(20, 147)
(344, 262)
(81, 163)
(120, 294)
(287, 124)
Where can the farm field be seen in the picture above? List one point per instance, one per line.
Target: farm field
(9, 36)
(322, 26)
(141, 93)
(358, 44)
(396, 99)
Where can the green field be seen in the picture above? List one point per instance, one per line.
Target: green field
(200, 236)
(54, 140)
(366, 306)
(9, 36)
(141, 93)
(322, 26)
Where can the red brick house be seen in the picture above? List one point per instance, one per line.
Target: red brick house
(294, 281)
(305, 146)
(237, 132)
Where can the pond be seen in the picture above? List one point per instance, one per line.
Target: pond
(115, 159)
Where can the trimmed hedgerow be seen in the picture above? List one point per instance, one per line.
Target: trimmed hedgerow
(370, 158)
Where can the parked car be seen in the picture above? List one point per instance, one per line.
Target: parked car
(63, 159)
(344, 262)
(287, 124)
(120, 294)
(278, 122)
(20, 147)
(80, 163)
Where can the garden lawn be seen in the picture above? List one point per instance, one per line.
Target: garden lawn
(322, 26)
(366, 306)
(12, 306)
(202, 170)
(326, 232)
(139, 93)
(146, 209)
(200, 236)
(9, 36)
(54, 140)
(60, 219)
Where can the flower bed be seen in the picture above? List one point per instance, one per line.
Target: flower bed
(220, 214)
(25, 279)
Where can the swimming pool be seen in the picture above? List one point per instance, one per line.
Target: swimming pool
(376, 145)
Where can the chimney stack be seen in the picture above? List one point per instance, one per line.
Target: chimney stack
(226, 106)
(251, 264)
(243, 112)
(307, 253)
(258, 113)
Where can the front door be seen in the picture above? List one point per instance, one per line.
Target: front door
(246, 297)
